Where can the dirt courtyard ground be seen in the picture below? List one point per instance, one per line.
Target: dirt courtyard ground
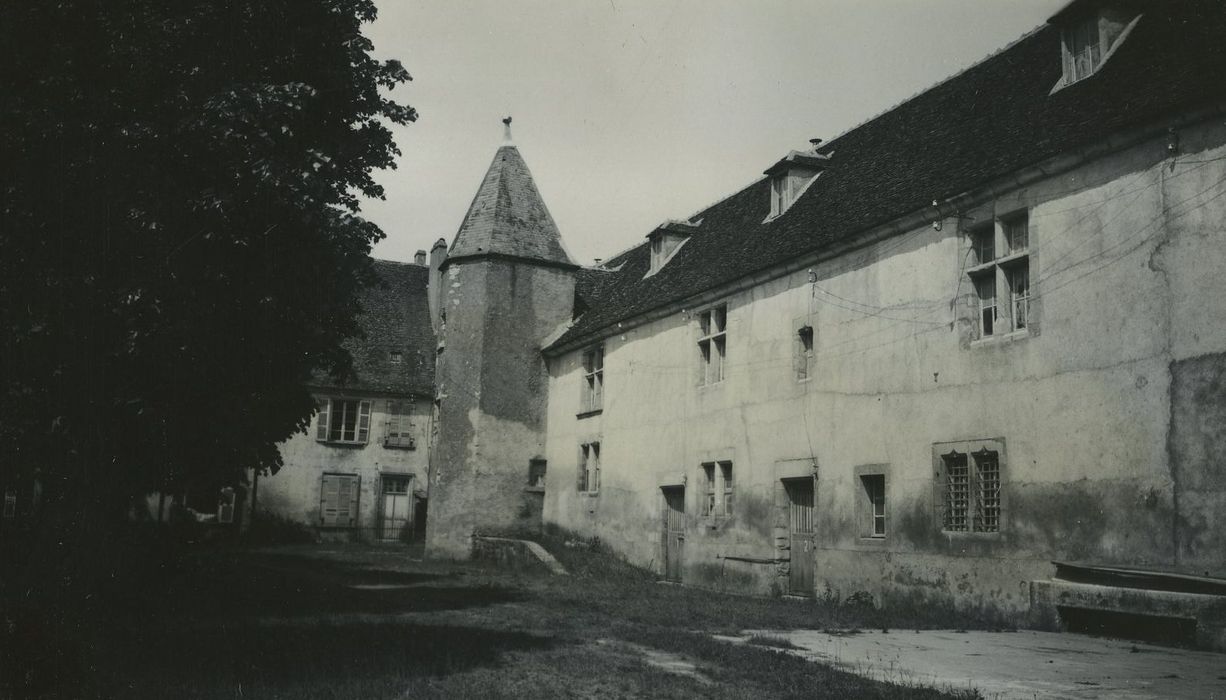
(1017, 665)
(312, 622)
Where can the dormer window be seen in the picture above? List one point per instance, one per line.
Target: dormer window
(791, 176)
(1090, 34)
(666, 240)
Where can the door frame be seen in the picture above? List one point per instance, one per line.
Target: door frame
(667, 532)
(384, 479)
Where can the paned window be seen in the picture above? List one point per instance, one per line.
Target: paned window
(718, 499)
(1002, 281)
(338, 500)
(10, 503)
(1084, 49)
(971, 499)
(400, 431)
(589, 467)
(593, 380)
(713, 343)
(343, 421)
(872, 499)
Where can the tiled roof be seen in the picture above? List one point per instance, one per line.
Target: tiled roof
(508, 216)
(991, 120)
(395, 318)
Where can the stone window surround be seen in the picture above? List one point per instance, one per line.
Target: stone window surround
(863, 508)
(939, 485)
(999, 274)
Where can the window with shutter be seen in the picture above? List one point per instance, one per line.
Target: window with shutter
(321, 424)
(338, 500)
(399, 425)
(343, 421)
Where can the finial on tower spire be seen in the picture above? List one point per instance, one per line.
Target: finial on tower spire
(506, 129)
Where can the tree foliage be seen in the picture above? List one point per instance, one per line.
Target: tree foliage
(180, 242)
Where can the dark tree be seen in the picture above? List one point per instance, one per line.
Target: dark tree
(180, 243)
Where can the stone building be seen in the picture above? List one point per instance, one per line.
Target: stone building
(360, 471)
(971, 351)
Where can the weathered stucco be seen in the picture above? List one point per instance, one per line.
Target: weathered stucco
(492, 387)
(1109, 408)
(294, 492)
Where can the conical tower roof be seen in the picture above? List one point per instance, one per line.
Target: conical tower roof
(508, 216)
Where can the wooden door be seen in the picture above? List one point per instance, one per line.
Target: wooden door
(396, 509)
(674, 531)
(800, 529)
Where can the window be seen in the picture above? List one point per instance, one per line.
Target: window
(872, 509)
(396, 357)
(786, 188)
(589, 467)
(343, 421)
(10, 503)
(970, 487)
(1090, 38)
(804, 352)
(338, 500)
(400, 426)
(1006, 276)
(712, 343)
(1084, 50)
(593, 381)
(225, 505)
(717, 489)
(536, 473)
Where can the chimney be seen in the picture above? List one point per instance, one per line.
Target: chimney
(419, 258)
(434, 289)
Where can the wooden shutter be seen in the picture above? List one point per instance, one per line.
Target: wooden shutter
(329, 492)
(321, 426)
(364, 422)
(581, 480)
(338, 500)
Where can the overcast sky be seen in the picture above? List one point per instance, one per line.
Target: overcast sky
(630, 112)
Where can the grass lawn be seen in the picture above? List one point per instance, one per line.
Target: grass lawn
(314, 622)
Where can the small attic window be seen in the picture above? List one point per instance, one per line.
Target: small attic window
(792, 175)
(786, 189)
(1089, 37)
(666, 240)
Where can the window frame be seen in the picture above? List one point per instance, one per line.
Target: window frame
(712, 344)
(805, 355)
(591, 398)
(326, 413)
(983, 491)
(718, 489)
(1003, 255)
(589, 468)
(354, 505)
(872, 497)
(399, 428)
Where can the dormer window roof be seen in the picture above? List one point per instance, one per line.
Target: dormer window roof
(792, 175)
(666, 240)
(1091, 31)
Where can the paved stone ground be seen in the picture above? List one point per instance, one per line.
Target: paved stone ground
(1015, 665)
